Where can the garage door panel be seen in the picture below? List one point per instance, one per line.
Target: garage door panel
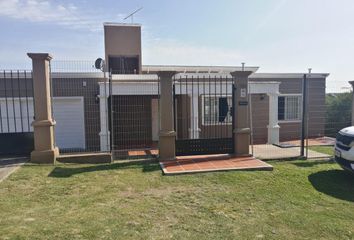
(70, 125)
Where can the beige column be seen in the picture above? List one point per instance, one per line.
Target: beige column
(352, 83)
(43, 125)
(167, 134)
(241, 129)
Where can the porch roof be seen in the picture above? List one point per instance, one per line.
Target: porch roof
(153, 69)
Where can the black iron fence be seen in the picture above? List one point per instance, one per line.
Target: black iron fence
(16, 112)
(203, 110)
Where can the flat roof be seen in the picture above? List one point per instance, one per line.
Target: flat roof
(152, 69)
(121, 24)
(287, 75)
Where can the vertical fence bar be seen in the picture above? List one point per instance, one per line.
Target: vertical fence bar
(203, 113)
(108, 147)
(34, 104)
(13, 101)
(233, 114)
(51, 100)
(186, 105)
(26, 94)
(216, 105)
(1, 115)
(6, 103)
(304, 110)
(199, 114)
(111, 112)
(192, 112)
(174, 103)
(19, 98)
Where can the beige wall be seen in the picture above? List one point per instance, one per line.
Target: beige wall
(122, 40)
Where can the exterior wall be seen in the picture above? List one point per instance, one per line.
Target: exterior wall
(122, 40)
(183, 116)
(260, 117)
(292, 130)
(88, 89)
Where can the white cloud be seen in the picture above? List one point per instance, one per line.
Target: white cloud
(48, 12)
(157, 51)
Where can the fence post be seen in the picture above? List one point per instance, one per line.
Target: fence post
(304, 116)
(167, 134)
(241, 129)
(352, 83)
(43, 124)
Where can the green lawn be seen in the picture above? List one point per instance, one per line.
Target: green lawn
(298, 200)
(323, 149)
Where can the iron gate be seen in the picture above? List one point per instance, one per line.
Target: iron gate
(16, 112)
(203, 114)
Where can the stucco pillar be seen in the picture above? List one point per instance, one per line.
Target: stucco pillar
(273, 126)
(167, 134)
(43, 125)
(352, 83)
(240, 116)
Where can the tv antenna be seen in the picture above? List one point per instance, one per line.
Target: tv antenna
(131, 16)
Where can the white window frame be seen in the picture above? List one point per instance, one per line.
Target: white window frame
(203, 107)
(286, 119)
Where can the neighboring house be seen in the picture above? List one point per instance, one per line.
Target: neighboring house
(82, 107)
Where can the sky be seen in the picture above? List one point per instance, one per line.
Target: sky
(276, 35)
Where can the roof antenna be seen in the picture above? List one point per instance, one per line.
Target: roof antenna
(131, 16)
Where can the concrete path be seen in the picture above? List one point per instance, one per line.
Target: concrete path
(9, 164)
(268, 151)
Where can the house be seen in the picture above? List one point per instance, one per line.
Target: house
(119, 107)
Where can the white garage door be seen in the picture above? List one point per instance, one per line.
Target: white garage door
(70, 124)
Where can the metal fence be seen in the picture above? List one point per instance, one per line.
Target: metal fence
(308, 119)
(16, 112)
(76, 106)
(134, 116)
(203, 110)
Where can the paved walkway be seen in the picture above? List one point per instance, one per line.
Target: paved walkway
(212, 163)
(9, 164)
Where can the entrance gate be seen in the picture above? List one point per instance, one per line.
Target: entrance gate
(16, 112)
(203, 114)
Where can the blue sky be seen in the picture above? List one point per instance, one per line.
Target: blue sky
(277, 35)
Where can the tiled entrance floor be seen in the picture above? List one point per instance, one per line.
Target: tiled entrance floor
(212, 163)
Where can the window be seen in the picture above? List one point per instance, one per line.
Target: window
(217, 110)
(124, 65)
(289, 108)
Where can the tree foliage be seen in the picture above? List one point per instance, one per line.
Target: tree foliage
(338, 112)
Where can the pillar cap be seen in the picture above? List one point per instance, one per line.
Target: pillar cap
(241, 74)
(167, 73)
(40, 56)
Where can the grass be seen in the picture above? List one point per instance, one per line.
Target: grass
(298, 200)
(323, 149)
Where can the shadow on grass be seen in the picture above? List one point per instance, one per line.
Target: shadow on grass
(335, 183)
(313, 163)
(65, 172)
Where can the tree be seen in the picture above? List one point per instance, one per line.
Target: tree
(338, 112)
